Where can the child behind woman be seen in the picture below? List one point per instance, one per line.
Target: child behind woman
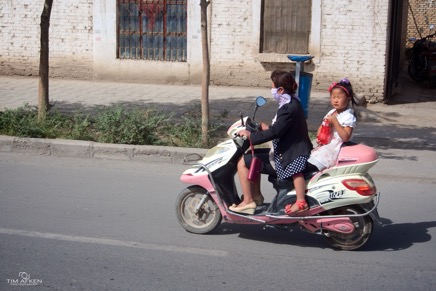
(342, 121)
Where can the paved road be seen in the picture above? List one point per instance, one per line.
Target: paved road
(104, 224)
(109, 224)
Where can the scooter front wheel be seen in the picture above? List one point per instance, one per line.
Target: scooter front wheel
(361, 234)
(197, 218)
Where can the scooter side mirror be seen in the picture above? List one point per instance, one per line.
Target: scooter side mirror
(260, 101)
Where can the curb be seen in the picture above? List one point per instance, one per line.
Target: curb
(393, 159)
(93, 150)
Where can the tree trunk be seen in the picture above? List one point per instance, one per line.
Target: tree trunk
(43, 97)
(206, 75)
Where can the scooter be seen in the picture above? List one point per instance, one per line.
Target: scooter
(342, 199)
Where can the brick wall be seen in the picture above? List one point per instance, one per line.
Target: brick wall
(424, 13)
(70, 38)
(353, 45)
(233, 61)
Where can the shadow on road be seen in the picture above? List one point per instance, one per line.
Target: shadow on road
(390, 237)
(400, 236)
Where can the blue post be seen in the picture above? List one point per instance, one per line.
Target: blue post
(304, 81)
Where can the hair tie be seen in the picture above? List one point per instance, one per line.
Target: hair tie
(344, 80)
(336, 85)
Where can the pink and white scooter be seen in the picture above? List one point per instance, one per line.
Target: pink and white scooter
(342, 199)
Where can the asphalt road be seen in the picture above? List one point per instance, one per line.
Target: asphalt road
(82, 224)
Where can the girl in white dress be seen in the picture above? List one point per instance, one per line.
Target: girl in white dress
(342, 121)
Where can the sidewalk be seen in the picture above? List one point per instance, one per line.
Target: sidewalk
(410, 123)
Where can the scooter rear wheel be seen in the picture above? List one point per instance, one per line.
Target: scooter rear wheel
(208, 217)
(360, 236)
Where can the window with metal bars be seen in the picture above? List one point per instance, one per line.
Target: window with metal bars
(285, 26)
(152, 30)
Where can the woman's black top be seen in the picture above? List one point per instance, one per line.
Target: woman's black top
(290, 128)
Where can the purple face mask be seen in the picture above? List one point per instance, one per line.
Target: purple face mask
(275, 95)
(282, 99)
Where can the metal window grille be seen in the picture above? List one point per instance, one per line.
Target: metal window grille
(152, 30)
(285, 26)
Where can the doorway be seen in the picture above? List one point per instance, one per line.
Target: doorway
(397, 31)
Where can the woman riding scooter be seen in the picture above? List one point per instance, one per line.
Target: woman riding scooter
(291, 147)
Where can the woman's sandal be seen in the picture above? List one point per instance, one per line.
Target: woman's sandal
(302, 206)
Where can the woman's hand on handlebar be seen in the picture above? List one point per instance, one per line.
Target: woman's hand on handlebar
(263, 126)
(244, 133)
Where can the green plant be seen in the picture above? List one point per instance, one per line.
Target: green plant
(115, 124)
(185, 131)
(22, 122)
(127, 126)
(79, 128)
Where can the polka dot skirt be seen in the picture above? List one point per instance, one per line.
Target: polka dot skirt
(297, 165)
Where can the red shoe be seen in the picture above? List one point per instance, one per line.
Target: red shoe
(299, 206)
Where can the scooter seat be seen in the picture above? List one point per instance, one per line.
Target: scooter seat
(309, 175)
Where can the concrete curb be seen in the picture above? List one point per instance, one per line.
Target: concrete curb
(93, 150)
(408, 164)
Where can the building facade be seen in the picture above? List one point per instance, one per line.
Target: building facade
(146, 41)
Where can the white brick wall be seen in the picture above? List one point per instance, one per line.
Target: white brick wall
(354, 35)
(351, 42)
(70, 38)
(233, 60)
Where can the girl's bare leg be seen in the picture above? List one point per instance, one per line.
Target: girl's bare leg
(300, 189)
(300, 186)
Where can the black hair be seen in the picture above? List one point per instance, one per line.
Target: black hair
(345, 85)
(285, 80)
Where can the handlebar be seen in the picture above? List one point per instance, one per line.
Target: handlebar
(431, 35)
(414, 39)
(252, 126)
